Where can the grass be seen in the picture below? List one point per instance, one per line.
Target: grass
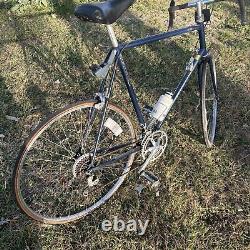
(44, 59)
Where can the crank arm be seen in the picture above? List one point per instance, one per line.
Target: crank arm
(148, 160)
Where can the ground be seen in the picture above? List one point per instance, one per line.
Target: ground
(45, 53)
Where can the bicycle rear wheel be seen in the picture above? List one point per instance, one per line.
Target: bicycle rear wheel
(209, 100)
(51, 181)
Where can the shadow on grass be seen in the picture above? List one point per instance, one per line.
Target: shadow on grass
(10, 221)
(8, 106)
(6, 5)
(234, 10)
(63, 8)
(38, 98)
(155, 80)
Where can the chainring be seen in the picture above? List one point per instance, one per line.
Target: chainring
(154, 141)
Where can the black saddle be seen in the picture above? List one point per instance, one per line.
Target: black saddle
(103, 12)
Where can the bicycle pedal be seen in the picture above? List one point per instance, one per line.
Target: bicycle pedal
(153, 179)
(148, 175)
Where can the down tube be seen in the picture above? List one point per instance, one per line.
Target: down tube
(185, 79)
(131, 91)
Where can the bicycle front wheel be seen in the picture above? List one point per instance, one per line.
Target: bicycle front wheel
(209, 100)
(51, 181)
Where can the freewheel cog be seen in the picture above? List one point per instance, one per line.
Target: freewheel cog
(80, 165)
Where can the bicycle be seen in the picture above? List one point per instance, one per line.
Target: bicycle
(76, 160)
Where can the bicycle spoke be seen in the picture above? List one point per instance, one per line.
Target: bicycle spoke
(70, 152)
(210, 99)
(59, 140)
(65, 136)
(44, 150)
(46, 160)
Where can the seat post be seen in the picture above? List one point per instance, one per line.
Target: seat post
(112, 36)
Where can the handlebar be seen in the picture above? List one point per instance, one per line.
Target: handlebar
(173, 8)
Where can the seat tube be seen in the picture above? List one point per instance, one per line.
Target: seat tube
(199, 11)
(125, 77)
(112, 36)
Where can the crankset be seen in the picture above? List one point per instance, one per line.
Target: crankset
(153, 146)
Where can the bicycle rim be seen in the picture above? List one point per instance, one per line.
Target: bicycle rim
(209, 101)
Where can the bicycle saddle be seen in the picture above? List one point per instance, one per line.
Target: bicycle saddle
(103, 12)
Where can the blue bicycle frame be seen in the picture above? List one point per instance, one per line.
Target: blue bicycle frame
(118, 49)
(194, 61)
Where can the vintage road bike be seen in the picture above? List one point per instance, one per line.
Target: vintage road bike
(77, 159)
